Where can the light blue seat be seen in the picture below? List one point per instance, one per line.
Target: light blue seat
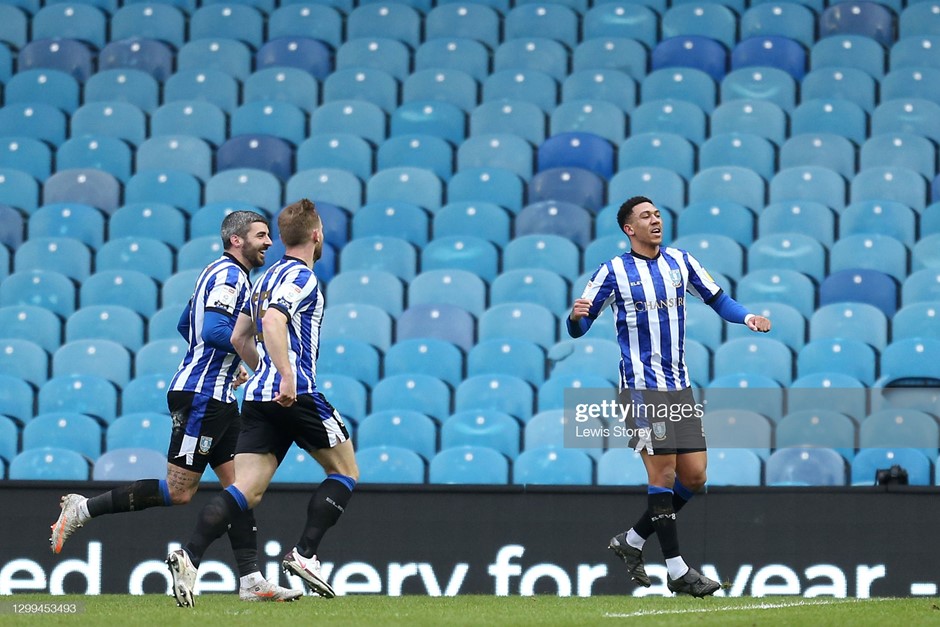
(178, 289)
(924, 254)
(900, 428)
(162, 324)
(907, 115)
(200, 251)
(858, 18)
(519, 320)
(496, 185)
(680, 83)
(327, 184)
(380, 53)
(738, 429)
(346, 394)
(670, 116)
(787, 19)
(28, 155)
(257, 187)
(422, 393)
(146, 394)
(15, 24)
(145, 255)
(233, 21)
(109, 322)
(427, 117)
(613, 52)
(869, 461)
(42, 288)
(553, 466)
(531, 283)
(551, 393)
(410, 430)
(917, 19)
(860, 285)
(846, 356)
(49, 464)
(275, 118)
(846, 50)
(549, 252)
(469, 465)
(148, 55)
(34, 120)
(58, 254)
(789, 324)
(344, 151)
(446, 85)
(374, 287)
(33, 323)
(910, 358)
(709, 20)
(77, 21)
(768, 84)
(428, 356)
(628, 20)
(16, 398)
(904, 150)
(512, 356)
(556, 22)
(586, 356)
(879, 217)
(808, 218)
(449, 286)
(523, 85)
(417, 151)
(129, 464)
(601, 84)
(469, 253)
(521, 118)
(822, 428)
(758, 355)
(483, 219)
(728, 183)
(108, 154)
(368, 84)
(258, 151)
(68, 220)
(849, 84)
(890, 183)
(9, 440)
(112, 118)
(664, 185)
(735, 467)
(67, 54)
(921, 285)
(558, 216)
(463, 53)
(350, 116)
(392, 219)
(197, 118)
(88, 186)
(914, 320)
(124, 85)
(718, 252)
(159, 21)
(532, 53)
(149, 220)
(809, 183)
(551, 429)
(805, 466)
(392, 20)
(415, 185)
(606, 247)
(622, 466)
(390, 464)
(499, 392)
(310, 55)
(67, 430)
(186, 152)
(660, 150)
(444, 322)
(718, 217)
(24, 359)
(770, 51)
(350, 357)
(390, 254)
(599, 117)
(360, 321)
(750, 115)
(313, 20)
(914, 51)
(283, 84)
(869, 251)
(742, 390)
(46, 86)
(298, 467)
(744, 150)
(826, 150)
(830, 115)
(159, 356)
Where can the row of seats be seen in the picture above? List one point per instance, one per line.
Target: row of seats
(481, 465)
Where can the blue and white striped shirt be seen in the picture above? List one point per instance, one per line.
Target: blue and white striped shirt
(292, 288)
(222, 287)
(647, 297)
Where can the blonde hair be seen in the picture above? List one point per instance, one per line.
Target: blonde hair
(296, 221)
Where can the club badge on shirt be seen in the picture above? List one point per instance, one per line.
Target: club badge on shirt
(676, 278)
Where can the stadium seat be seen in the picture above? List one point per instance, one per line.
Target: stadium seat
(744, 150)
(283, 84)
(717, 217)
(445, 322)
(869, 461)
(415, 185)
(663, 185)
(83, 185)
(924, 254)
(538, 251)
(911, 321)
(16, 398)
(844, 83)
(822, 428)
(345, 151)
(904, 150)
(532, 53)
(849, 51)
(42, 288)
(102, 358)
(720, 253)
(482, 219)
(906, 115)
(496, 185)
(361, 118)
(426, 117)
(509, 116)
(360, 321)
(834, 391)
(151, 220)
(739, 429)
(659, 150)
(427, 356)
(423, 393)
(196, 118)
(859, 251)
(161, 22)
(860, 285)
(76, 21)
(565, 218)
(331, 185)
(124, 85)
(900, 428)
(112, 118)
(914, 51)
(375, 287)
(553, 466)
(257, 187)
(71, 431)
(58, 53)
(771, 51)
(469, 465)
(921, 285)
(712, 20)
(685, 84)
(498, 392)
(297, 467)
(791, 20)
(109, 322)
(809, 183)
(450, 286)
(734, 467)
(9, 440)
(807, 218)
(310, 55)
(586, 356)
(395, 21)
(109, 154)
(602, 84)
(15, 22)
(556, 22)
(530, 284)
(856, 321)
(691, 51)
(50, 464)
(138, 254)
(852, 357)
(27, 154)
(25, 359)
(524, 85)
(141, 53)
(518, 320)
(33, 323)
(379, 53)
(159, 356)
(826, 150)
(469, 253)
(46, 86)
(627, 20)
(584, 151)
(354, 358)
(405, 429)
(129, 464)
(389, 464)
(314, 21)
(259, 152)
(599, 117)
(233, 21)
(758, 393)
(728, 183)
(146, 393)
(491, 429)
(511, 356)
(615, 53)
(805, 466)
(669, 116)
(369, 84)
(417, 151)
(552, 429)
(58, 254)
(830, 115)
(879, 218)
(68, 220)
(757, 355)
(768, 84)
(750, 115)
(445, 85)
(890, 183)
(390, 254)
(463, 53)
(346, 394)
(909, 359)
(858, 18)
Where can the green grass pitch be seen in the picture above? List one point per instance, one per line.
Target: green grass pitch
(413, 611)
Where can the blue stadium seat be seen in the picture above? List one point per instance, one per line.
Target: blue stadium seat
(470, 253)
(659, 150)
(360, 321)
(826, 150)
(33, 323)
(58, 254)
(718, 252)
(835, 391)
(852, 357)
(740, 150)
(475, 21)
(807, 218)
(452, 52)
(159, 356)
(735, 467)
(520, 118)
(763, 83)
(426, 356)
(233, 21)
(718, 217)
(71, 431)
(551, 429)
(139, 430)
(45, 86)
(103, 358)
(814, 183)
(858, 18)
(391, 254)
(83, 185)
(914, 51)
(68, 220)
(869, 251)
(369, 84)
(158, 21)
(879, 218)
(141, 254)
(417, 151)
(911, 321)
(556, 22)
(599, 117)
(279, 119)
(614, 52)
(522, 85)
(534, 283)
(259, 152)
(379, 53)
(739, 429)
(565, 218)
(27, 154)
(426, 117)
(805, 466)
(512, 356)
(283, 84)
(389, 464)
(728, 183)
(422, 393)
(849, 51)
(713, 20)
(788, 19)
(108, 322)
(310, 20)
(297, 467)
(498, 392)
(153, 220)
(396, 21)
(146, 393)
(904, 150)
(9, 440)
(585, 151)
(43, 288)
(334, 186)
(196, 118)
(900, 428)
(74, 20)
(25, 359)
(449, 286)
(670, 116)
(789, 325)
(855, 321)
(344, 151)
(215, 54)
(691, 51)
(205, 84)
(129, 288)
(843, 83)
(162, 324)
(129, 464)
(113, 118)
(346, 394)
(444, 322)
(100, 152)
(33, 120)
(586, 356)
(663, 185)
(921, 285)
(144, 54)
(758, 355)
(469, 465)
(825, 428)
(615, 19)
(869, 461)
(532, 53)
(200, 251)
(553, 466)
(257, 187)
(771, 51)
(549, 252)
(519, 320)
(375, 287)
(483, 219)
(702, 325)
(600, 85)
(310, 55)
(750, 115)
(415, 185)
(496, 185)
(890, 183)
(444, 85)
(551, 394)
(124, 85)
(49, 464)
(15, 24)
(924, 253)
(16, 398)
(67, 54)
(860, 285)
(910, 358)
(684, 84)
(606, 247)
(908, 115)
(410, 430)
(623, 466)
(830, 115)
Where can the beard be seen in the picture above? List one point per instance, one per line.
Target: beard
(255, 255)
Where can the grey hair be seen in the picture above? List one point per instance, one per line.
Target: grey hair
(238, 223)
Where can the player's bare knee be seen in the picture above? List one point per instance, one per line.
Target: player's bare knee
(181, 496)
(663, 478)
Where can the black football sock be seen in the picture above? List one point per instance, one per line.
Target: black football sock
(326, 506)
(243, 534)
(680, 496)
(132, 497)
(214, 520)
(664, 520)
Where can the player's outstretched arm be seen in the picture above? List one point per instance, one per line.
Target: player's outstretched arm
(578, 321)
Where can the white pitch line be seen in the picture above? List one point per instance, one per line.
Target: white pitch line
(736, 608)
